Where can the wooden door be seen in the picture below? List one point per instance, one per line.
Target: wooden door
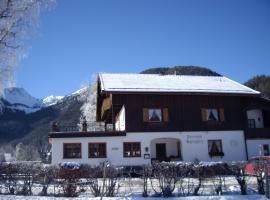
(161, 152)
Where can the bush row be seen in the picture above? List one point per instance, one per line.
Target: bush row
(103, 180)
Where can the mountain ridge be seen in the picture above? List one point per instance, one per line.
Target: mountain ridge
(20, 100)
(181, 70)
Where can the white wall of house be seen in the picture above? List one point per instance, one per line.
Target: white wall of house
(256, 114)
(120, 123)
(253, 146)
(194, 145)
(233, 144)
(114, 150)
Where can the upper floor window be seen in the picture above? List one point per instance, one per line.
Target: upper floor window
(155, 115)
(97, 150)
(251, 123)
(72, 150)
(215, 148)
(213, 114)
(255, 118)
(132, 149)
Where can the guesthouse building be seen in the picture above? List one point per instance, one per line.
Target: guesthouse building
(150, 117)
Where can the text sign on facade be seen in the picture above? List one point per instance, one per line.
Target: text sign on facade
(194, 139)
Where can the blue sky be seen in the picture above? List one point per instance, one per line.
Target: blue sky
(79, 38)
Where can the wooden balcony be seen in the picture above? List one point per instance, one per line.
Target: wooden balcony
(84, 127)
(106, 105)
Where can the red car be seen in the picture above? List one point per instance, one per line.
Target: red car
(257, 164)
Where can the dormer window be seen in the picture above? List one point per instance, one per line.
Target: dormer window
(155, 115)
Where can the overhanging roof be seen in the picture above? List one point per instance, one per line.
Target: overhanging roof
(141, 83)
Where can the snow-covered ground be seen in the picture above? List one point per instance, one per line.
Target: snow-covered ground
(131, 188)
(227, 197)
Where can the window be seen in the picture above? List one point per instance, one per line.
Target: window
(155, 115)
(251, 123)
(215, 148)
(132, 149)
(97, 150)
(266, 150)
(72, 150)
(212, 114)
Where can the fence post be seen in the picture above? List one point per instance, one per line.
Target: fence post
(105, 165)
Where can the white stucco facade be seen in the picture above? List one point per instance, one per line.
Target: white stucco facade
(192, 145)
(254, 146)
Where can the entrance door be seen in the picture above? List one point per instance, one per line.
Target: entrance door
(161, 152)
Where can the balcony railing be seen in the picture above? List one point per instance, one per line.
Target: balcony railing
(83, 127)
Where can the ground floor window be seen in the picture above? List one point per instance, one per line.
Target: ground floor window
(132, 149)
(97, 150)
(72, 150)
(215, 148)
(266, 150)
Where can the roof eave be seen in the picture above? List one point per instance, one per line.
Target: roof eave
(180, 93)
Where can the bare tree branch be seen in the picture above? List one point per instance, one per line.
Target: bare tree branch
(18, 18)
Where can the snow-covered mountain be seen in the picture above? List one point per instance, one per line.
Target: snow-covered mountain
(27, 119)
(51, 100)
(20, 100)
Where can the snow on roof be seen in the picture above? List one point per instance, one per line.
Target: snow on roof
(171, 83)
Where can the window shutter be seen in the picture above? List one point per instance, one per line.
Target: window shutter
(165, 114)
(145, 115)
(221, 115)
(204, 113)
